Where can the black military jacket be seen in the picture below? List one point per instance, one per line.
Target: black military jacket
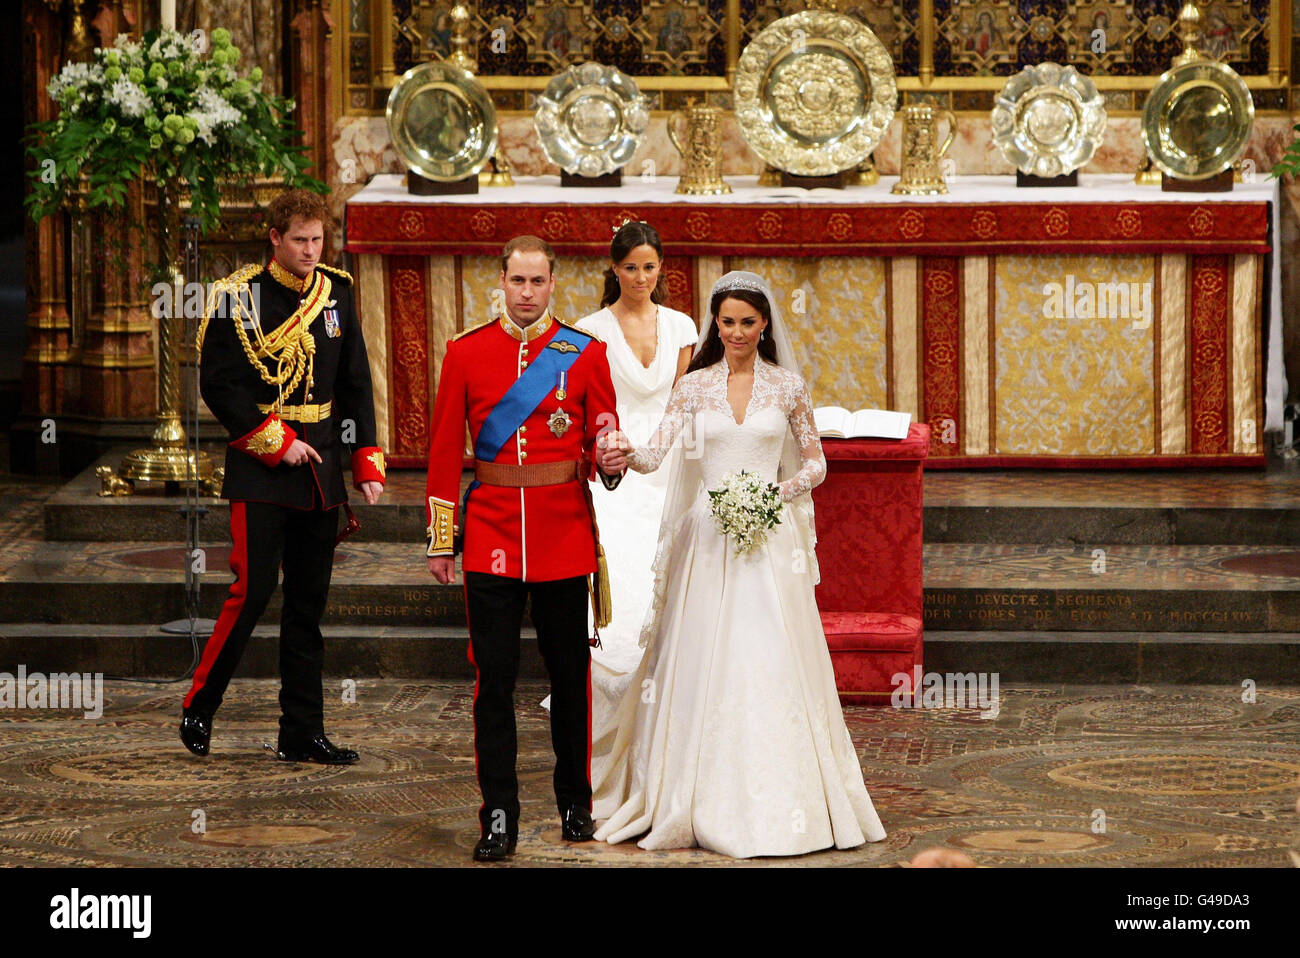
(234, 390)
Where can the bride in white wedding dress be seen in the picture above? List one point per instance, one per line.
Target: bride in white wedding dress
(730, 736)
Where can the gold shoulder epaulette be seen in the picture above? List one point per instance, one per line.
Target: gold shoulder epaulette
(241, 275)
(226, 284)
(579, 330)
(336, 271)
(473, 329)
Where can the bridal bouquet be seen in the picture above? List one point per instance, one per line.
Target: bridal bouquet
(745, 508)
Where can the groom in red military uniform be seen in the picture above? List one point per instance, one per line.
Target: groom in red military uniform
(538, 397)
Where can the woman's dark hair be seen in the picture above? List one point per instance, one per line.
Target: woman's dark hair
(712, 350)
(629, 236)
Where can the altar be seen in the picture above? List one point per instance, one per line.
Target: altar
(1105, 325)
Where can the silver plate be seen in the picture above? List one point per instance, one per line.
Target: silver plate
(590, 119)
(442, 122)
(1048, 120)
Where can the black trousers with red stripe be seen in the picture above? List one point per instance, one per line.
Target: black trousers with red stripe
(265, 536)
(495, 606)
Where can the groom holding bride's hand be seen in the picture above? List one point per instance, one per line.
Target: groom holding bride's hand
(538, 399)
(611, 453)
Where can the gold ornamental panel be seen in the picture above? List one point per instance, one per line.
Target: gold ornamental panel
(1227, 30)
(815, 92)
(983, 33)
(1101, 33)
(958, 53)
(559, 33)
(674, 34)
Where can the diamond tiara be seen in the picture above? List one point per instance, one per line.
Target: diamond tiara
(740, 283)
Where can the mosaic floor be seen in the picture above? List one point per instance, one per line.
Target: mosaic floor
(1063, 775)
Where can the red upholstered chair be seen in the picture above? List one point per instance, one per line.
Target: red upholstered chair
(869, 548)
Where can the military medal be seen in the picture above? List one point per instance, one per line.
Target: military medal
(559, 422)
(332, 321)
(561, 379)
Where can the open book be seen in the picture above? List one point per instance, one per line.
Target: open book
(836, 422)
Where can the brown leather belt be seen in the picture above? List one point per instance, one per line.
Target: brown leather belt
(523, 476)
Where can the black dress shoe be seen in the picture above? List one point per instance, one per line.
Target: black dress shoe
(577, 825)
(196, 730)
(494, 847)
(317, 749)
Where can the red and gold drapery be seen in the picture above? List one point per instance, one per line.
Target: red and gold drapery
(933, 306)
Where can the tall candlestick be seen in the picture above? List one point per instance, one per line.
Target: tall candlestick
(169, 14)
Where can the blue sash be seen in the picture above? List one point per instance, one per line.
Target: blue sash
(523, 398)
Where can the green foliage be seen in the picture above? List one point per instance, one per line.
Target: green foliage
(158, 111)
(1290, 161)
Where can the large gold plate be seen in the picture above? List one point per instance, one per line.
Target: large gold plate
(1196, 120)
(1048, 120)
(590, 119)
(442, 122)
(814, 93)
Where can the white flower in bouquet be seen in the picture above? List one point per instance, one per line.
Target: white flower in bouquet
(129, 98)
(744, 509)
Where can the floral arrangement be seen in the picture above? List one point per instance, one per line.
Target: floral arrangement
(162, 110)
(745, 508)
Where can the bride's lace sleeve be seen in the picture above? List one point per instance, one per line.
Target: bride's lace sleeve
(648, 457)
(812, 462)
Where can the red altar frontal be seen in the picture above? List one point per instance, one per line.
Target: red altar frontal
(1107, 325)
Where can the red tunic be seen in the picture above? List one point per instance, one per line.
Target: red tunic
(538, 533)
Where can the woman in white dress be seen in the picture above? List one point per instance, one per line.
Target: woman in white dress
(730, 736)
(648, 346)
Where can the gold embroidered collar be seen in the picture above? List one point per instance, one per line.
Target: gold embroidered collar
(286, 278)
(536, 328)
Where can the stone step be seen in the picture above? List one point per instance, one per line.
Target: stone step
(1179, 588)
(1114, 525)
(134, 650)
(968, 587)
(161, 520)
(1193, 507)
(1262, 658)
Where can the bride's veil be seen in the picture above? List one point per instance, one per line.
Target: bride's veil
(686, 481)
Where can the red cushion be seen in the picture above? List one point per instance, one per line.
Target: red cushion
(871, 632)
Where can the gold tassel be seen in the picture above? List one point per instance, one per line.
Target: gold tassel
(602, 603)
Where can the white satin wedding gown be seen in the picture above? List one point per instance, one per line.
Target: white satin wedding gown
(730, 735)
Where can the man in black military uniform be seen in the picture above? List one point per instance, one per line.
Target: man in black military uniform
(282, 365)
